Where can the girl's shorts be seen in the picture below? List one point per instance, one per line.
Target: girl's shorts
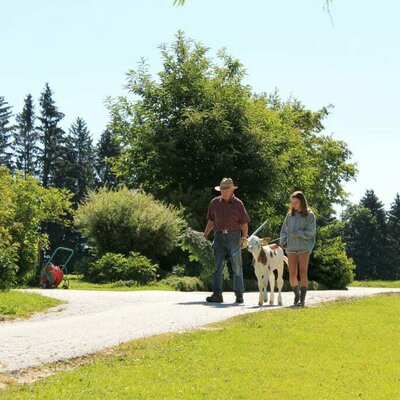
(298, 252)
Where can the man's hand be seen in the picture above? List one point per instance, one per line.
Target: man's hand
(243, 243)
(209, 228)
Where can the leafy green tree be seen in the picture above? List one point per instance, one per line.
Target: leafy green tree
(189, 130)
(34, 206)
(199, 122)
(107, 149)
(52, 139)
(393, 239)
(299, 156)
(25, 145)
(6, 132)
(8, 249)
(25, 206)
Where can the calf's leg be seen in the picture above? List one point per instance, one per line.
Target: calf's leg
(260, 282)
(265, 283)
(272, 287)
(280, 284)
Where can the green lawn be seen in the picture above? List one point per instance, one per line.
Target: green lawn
(22, 305)
(343, 350)
(383, 284)
(77, 283)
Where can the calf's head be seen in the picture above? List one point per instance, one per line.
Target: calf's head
(255, 243)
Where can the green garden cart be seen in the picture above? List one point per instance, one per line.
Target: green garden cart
(50, 275)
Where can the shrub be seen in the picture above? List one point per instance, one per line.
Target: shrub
(329, 265)
(184, 283)
(178, 270)
(128, 220)
(113, 267)
(200, 251)
(8, 267)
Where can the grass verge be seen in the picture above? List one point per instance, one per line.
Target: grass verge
(342, 350)
(381, 284)
(15, 304)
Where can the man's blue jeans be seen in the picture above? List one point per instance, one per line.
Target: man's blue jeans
(226, 247)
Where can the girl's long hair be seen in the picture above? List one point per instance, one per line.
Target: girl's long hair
(305, 210)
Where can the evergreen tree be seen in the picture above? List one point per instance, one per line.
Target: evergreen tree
(26, 140)
(365, 236)
(52, 140)
(107, 148)
(393, 239)
(82, 155)
(371, 201)
(6, 132)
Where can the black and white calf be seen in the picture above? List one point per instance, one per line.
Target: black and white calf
(267, 259)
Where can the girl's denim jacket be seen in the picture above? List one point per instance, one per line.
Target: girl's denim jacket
(298, 232)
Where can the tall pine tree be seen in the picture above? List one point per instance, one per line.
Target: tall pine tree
(371, 201)
(365, 236)
(25, 145)
(393, 239)
(82, 155)
(52, 140)
(107, 148)
(6, 132)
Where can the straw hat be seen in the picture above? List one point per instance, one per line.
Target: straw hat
(226, 184)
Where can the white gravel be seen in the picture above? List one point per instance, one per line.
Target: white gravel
(94, 320)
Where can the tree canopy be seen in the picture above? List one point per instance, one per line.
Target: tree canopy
(197, 121)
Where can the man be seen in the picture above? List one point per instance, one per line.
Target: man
(228, 218)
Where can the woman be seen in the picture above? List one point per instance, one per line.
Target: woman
(298, 237)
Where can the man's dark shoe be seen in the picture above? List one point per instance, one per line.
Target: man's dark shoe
(239, 299)
(215, 298)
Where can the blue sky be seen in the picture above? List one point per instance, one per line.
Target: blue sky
(83, 48)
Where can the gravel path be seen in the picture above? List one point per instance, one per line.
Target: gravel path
(94, 320)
